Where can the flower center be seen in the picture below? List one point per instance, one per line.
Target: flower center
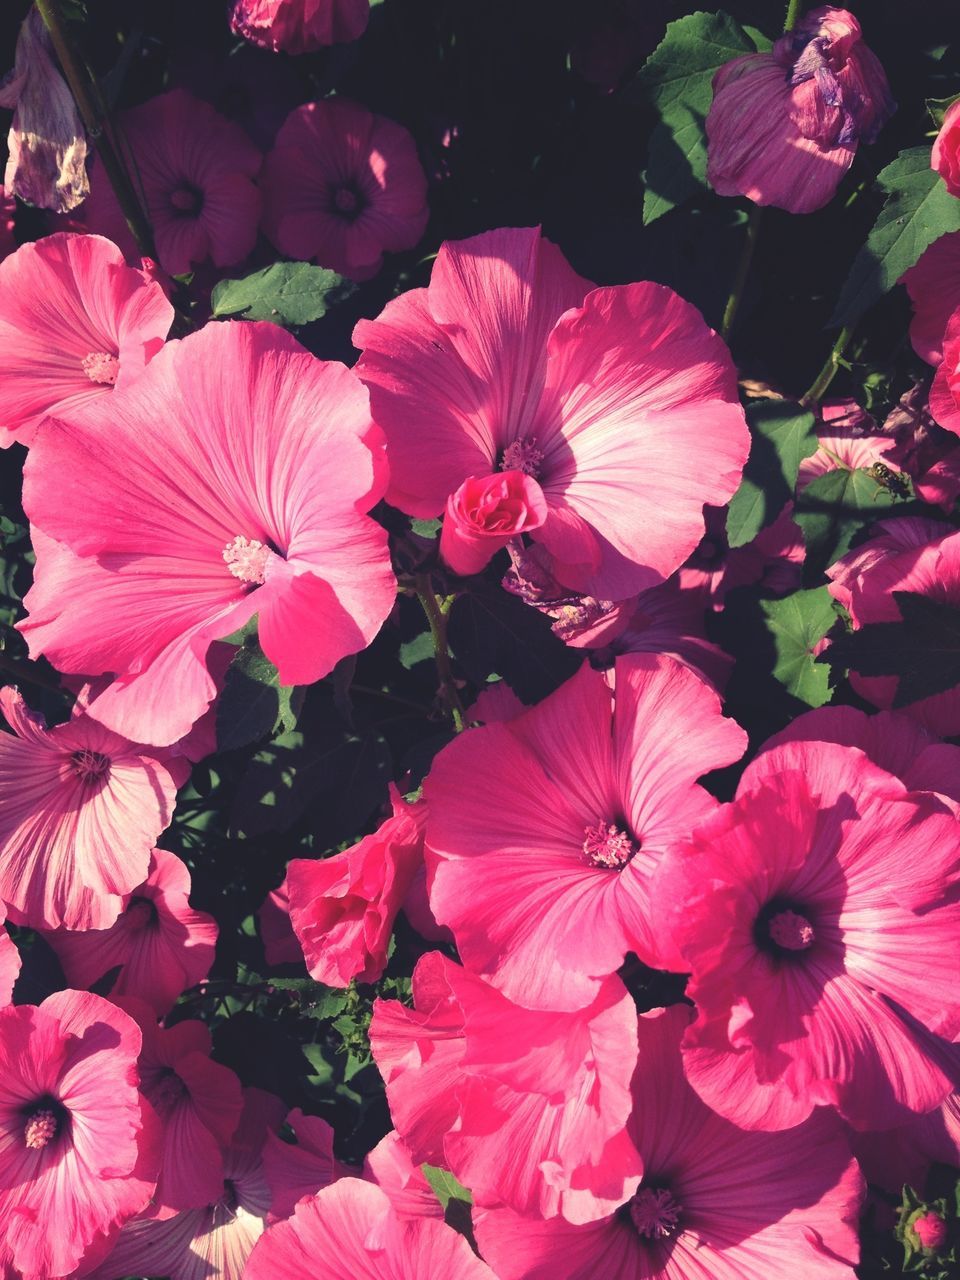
(522, 455)
(186, 199)
(40, 1129)
(102, 367)
(606, 845)
(248, 558)
(140, 913)
(792, 931)
(168, 1091)
(89, 765)
(655, 1213)
(346, 200)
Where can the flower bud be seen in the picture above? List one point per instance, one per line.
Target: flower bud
(486, 513)
(931, 1230)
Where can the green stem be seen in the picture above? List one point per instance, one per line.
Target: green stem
(83, 94)
(793, 13)
(437, 618)
(743, 270)
(821, 383)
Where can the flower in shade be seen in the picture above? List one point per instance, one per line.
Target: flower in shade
(912, 555)
(945, 153)
(75, 322)
(784, 126)
(807, 911)
(8, 224)
(933, 284)
(195, 170)
(485, 514)
(299, 26)
(159, 944)
(232, 481)
(343, 185)
(342, 908)
(280, 945)
(847, 437)
(9, 963)
(526, 1108)
(544, 831)
(894, 1158)
(350, 1230)
(300, 1163)
(670, 619)
(46, 145)
(80, 810)
(78, 1149)
(772, 559)
(945, 391)
(581, 621)
(715, 1201)
(509, 361)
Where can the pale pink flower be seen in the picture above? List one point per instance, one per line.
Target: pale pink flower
(78, 1148)
(945, 153)
(342, 185)
(195, 170)
(232, 481)
(511, 361)
(160, 945)
(715, 1202)
(75, 322)
(543, 833)
(485, 514)
(299, 26)
(806, 911)
(526, 1108)
(784, 126)
(301, 1168)
(349, 1230)
(80, 810)
(933, 284)
(945, 391)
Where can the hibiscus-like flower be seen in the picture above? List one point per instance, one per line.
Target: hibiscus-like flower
(945, 391)
(933, 284)
(299, 26)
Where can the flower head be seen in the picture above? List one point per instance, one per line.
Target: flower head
(299, 26)
(945, 391)
(485, 514)
(933, 284)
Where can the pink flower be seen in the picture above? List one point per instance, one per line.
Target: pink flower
(196, 172)
(390, 1165)
(915, 555)
(806, 911)
(848, 437)
(8, 224)
(232, 481)
(526, 1108)
(80, 810)
(349, 1230)
(773, 558)
(544, 832)
(932, 1230)
(342, 185)
(160, 944)
(581, 621)
(945, 154)
(485, 514)
(511, 361)
(670, 619)
(297, 1169)
(715, 1202)
(75, 321)
(945, 391)
(46, 145)
(78, 1151)
(899, 1157)
(299, 26)
(928, 453)
(342, 908)
(280, 945)
(9, 963)
(784, 126)
(934, 287)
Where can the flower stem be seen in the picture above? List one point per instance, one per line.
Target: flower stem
(793, 13)
(743, 270)
(821, 383)
(437, 618)
(84, 92)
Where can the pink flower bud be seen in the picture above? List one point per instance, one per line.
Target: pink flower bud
(945, 156)
(931, 1231)
(484, 515)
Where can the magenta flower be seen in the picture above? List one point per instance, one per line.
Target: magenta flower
(511, 361)
(773, 559)
(526, 1108)
(159, 943)
(543, 832)
(945, 153)
(806, 911)
(299, 26)
(280, 945)
(80, 810)
(715, 1202)
(342, 185)
(302, 1168)
(349, 1230)
(75, 321)
(196, 172)
(485, 514)
(232, 481)
(9, 963)
(391, 1166)
(933, 284)
(945, 391)
(784, 126)
(78, 1151)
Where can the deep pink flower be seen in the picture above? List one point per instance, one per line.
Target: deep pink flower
(196, 171)
(773, 559)
(784, 126)
(280, 945)
(349, 1230)
(485, 514)
(78, 1149)
(299, 26)
(934, 288)
(390, 1165)
(160, 944)
(909, 554)
(543, 832)
(945, 391)
(343, 185)
(932, 1230)
(342, 908)
(301, 1168)
(75, 321)
(509, 360)
(80, 810)
(806, 911)
(945, 153)
(232, 481)
(715, 1203)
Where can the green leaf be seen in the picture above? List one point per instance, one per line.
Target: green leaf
(678, 79)
(782, 435)
(445, 1186)
(937, 108)
(833, 507)
(426, 528)
(918, 210)
(254, 703)
(286, 293)
(419, 649)
(797, 623)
